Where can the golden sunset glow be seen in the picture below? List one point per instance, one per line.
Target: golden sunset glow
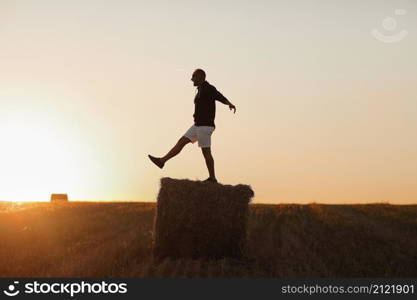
(36, 160)
(325, 111)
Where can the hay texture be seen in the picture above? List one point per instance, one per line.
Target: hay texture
(201, 219)
(59, 198)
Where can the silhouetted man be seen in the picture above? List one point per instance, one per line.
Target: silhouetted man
(201, 131)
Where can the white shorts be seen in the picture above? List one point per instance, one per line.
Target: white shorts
(202, 134)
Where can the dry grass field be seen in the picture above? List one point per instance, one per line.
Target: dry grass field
(81, 239)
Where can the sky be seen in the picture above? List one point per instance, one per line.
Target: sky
(326, 97)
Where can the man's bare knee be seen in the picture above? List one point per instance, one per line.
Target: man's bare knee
(183, 141)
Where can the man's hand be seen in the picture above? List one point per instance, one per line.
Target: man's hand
(231, 106)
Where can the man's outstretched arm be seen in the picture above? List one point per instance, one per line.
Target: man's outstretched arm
(224, 100)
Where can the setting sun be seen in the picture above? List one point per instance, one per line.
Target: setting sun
(37, 158)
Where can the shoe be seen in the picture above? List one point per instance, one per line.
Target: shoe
(211, 180)
(157, 161)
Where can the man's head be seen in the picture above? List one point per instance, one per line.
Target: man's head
(199, 76)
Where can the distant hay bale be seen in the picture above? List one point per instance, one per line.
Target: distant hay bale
(59, 197)
(200, 219)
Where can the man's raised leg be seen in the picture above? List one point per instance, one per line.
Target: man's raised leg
(160, 162)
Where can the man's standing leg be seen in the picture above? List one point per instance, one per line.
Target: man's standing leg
(210, 163)
(204, 142)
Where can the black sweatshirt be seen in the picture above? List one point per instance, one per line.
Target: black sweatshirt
(205, 105)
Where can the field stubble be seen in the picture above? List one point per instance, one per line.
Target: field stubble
(82, 239)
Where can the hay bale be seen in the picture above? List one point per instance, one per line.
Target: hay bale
(200, 219)
(59, 197)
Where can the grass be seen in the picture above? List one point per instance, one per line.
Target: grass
(286, 240)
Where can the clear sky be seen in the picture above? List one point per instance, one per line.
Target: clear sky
(326, 111)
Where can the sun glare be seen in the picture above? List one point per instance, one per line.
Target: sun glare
(37, 159)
